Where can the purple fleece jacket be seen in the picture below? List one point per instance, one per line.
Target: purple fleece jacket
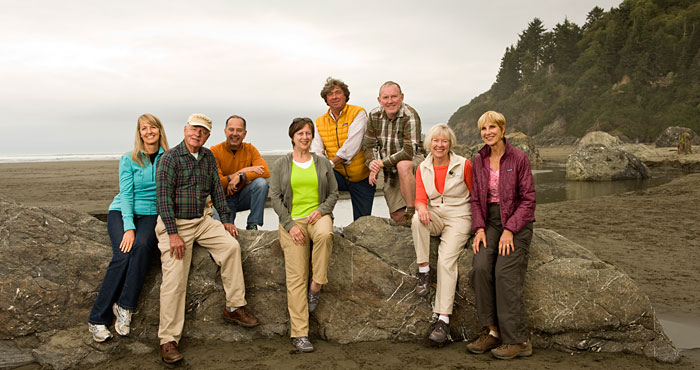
(516, 189)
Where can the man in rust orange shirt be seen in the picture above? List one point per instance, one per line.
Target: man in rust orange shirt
(243, 173)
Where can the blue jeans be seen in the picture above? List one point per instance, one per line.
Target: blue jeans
(361, 195)
(126, 271)
(252, 197)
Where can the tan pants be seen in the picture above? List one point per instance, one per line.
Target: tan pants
(225, 250)
(453, 232)
(296, 264)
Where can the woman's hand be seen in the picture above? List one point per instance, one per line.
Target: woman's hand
(479, 238)
(505, 245)
(315, 216)
(297, 234)
(423, 214)
(127, 241)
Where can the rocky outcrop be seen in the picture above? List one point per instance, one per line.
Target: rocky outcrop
(599, 157)
(669, 137)
(53, 261)
(554, 134)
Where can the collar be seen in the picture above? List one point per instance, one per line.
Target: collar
(342, 112)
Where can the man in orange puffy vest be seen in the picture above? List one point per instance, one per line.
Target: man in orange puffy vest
(339, 135)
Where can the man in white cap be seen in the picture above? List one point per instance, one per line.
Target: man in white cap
(186, 176)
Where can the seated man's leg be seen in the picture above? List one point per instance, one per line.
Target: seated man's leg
(226, 252)
(174, 284)
(253, 197)
(407, 181)
(394, 200)
(234, 206)
(362, 197)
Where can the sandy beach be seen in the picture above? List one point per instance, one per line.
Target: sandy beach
(649, 234)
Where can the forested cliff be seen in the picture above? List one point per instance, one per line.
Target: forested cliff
(631, 71)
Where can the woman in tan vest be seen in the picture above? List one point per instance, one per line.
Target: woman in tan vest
(443, 188)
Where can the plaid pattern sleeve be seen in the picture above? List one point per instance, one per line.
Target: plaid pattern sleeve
(184, 184)
(165, 189)
(218, 198)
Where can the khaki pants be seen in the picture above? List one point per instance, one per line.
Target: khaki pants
(453, 232)
(225, 250)
(296, 264)
(392, 193)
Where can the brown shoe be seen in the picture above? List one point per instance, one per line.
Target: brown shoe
(484, 343)
(169, 353)
(510, 351)
(242, 316)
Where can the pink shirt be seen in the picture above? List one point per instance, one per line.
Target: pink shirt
(492, 194)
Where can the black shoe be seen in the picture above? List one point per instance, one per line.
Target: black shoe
(440, 331)
(423, 286)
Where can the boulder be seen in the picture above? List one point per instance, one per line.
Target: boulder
(599, 138)
(669, 137)
(600, 157)
(53, 261)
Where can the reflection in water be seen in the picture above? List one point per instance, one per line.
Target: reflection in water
(551, 185)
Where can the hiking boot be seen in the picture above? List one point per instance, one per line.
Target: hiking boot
(440, 331)
(303, 344)
(406, 219)
(169, 353)
(484, 343)
(251, 227)
(510, 351)
(100, 333)
(122, 325)
(313, 300)
(423, 285)
(241, 316)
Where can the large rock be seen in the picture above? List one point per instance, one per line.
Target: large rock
(599, 157)
(599, 138)
(555, 134)
(53, 261)
(669, 137)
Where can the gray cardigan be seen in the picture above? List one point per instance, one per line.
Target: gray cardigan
(281, 189)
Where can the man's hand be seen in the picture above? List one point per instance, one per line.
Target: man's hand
(376, 165)
(373, 177)
(233, 184)
(335, 160)
(231, 228)
(177, 246)
(257, 169)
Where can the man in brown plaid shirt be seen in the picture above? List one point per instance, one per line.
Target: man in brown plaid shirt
(393, 144)
(186, 176)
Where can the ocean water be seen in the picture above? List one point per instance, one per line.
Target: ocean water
(31, 158)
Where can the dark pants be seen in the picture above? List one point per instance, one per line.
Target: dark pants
(126, 271)
(498, 280)
(361, 195)
(252, 197)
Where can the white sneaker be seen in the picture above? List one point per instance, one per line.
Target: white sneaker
(122, 326)
(100, 333)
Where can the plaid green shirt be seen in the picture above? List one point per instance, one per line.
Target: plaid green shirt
(393, 140)
(184, 184)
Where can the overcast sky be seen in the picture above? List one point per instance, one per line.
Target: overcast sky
(75, 75)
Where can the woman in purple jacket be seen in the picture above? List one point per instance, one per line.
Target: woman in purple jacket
(503, 210)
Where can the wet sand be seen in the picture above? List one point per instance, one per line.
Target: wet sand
(650, 234)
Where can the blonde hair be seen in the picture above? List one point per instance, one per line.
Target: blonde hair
(138, 155)
(437, 130)
(493, 117)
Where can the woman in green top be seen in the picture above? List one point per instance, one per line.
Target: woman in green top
(303, 191)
